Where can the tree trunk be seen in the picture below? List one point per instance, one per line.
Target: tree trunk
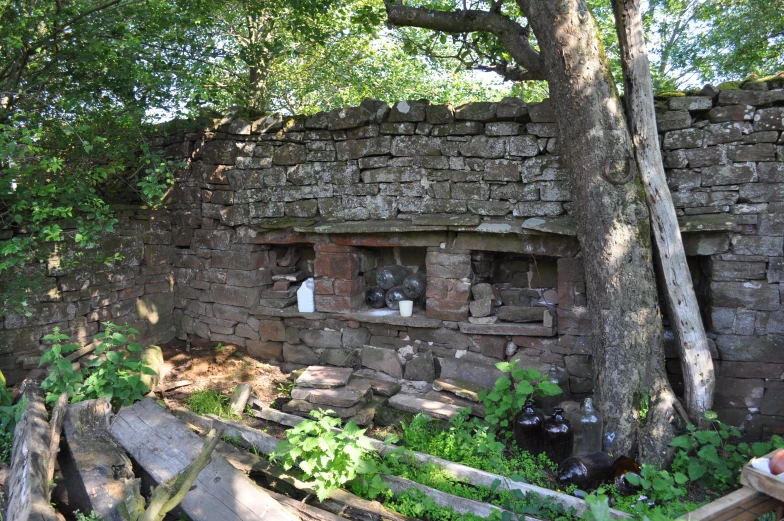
(613, 226)
(685, 317)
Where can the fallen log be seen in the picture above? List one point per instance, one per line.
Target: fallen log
(163, 447)
(340, 502)
(96, 469)
(55, 427)
(27, 486)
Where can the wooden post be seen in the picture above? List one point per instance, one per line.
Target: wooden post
(698, 375)
(55, 427)
(239, 399)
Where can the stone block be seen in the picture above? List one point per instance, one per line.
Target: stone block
(463, 128)
(579, 366)
(337, 304)
(695, 103)
(321, 338)
(454, 310)
(234, 313)
(738, 393)
(761, 192)
(356, 337)
(441, 335)
(483, 146)
(18, 340)
(355, 391)
(773, 400)
(769, 119)
(731, 113)
(344, 357)
(673, 120)
(212, 239)
(735, 271)
(771, 224)
(749, 97)
(444, 264)
(264, 350)
(511, 108)
(756, 152)
(382, 359)
(742, 348)
(771, 172)
(439, 114)
(272, 330)
(241, 260)
(541, 112)
(728, 174)
(221, 152)
(421, 367)
(299, 354)
(477, 373)
(776, 269)
(416, 146)
(502, 128)
(357, 148)
(542, 129)
(756, 245)
(686, 138)
(520, 313)
(481, 307)
(408, 111)
(488, 345)
(236, 296)
(344, 118)
(751, 370)
(476, 111)
(751, 295)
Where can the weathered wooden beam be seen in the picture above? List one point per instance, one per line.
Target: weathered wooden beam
(745, 504)
(163, 447)
(27, 487)
(96, 469)
(55, 427)
(239, 398)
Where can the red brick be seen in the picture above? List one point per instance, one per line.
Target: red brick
(350, 287)
(281, 285)
(272, 330)
(324, 287)
(336, 265)
(335, 304)
(333, 248)
(437, 288)
(455, 310)
(458, 290)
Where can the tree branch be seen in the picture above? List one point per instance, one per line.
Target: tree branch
(513, 36)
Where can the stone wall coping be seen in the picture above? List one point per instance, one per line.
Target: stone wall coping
(370, 316)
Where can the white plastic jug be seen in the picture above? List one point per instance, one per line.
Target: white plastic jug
(306, 300)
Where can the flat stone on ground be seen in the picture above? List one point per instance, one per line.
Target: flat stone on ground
(347, 396)
(368, 412)
(381, 387)
(477, 409)
(458, 387)
(414, 405)
(322, 377)
(303, 408)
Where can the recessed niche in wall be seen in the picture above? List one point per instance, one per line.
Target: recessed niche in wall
(399, 265)
(511, 287)
(293, 264)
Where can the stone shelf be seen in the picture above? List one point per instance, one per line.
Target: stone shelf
(392, 317)
(508, 328)
(391, 226)
(288, 312)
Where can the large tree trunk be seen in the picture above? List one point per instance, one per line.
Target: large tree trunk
(613, 225)
(685, 317)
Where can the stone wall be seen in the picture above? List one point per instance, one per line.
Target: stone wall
(137, 290)
(471, 187)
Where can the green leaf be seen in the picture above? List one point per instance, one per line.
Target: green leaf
(680, 478)
(696, 470)
(683, 441)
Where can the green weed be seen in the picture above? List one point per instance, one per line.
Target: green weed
(210, 401)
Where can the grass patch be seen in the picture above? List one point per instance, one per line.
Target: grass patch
(210, 401)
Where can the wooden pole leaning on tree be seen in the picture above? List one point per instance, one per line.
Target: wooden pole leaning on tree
(698, 373)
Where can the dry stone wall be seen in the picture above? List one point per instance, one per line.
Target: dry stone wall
(137, 290)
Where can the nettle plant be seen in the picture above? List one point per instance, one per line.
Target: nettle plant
(331, 459)
(510, 393)
(115, 373)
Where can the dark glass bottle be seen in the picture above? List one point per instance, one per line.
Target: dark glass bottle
(394, 296)
(415, 285)
(619, 470)
(374, 297)
(390, 276)
(557, 436)
(558, 376)
(587, 471)
(527, 428)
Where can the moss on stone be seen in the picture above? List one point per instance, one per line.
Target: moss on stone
(729, 85)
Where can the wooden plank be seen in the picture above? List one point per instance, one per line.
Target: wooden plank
(471, 475)
(239, 398)
(340, 502)
(163, 447)
(763, 482)
(97, 471)
(745, 504)
(55, 427)
(27, 487)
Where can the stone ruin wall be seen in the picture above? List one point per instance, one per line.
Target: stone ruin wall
(455, 191)
(138, 291)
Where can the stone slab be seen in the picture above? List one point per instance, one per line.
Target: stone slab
(355, 391)
(459, 387)
(382, 359)
(321, 377)
(474, 372)
(414, 405)
(303, 408)
(476, 409)
(558, 225)
(381, 387)
(533, 329)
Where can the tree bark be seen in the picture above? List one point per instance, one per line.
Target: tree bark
(699, 379)
(613, 224)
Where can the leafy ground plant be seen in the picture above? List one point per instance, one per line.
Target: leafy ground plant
(114, 373)
(331, 459)
(510, 393)
(10, 414)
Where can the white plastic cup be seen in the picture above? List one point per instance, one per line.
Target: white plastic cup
(406, 308)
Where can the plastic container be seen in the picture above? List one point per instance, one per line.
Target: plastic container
(306, 297)
(527, 428)
(587, 426)
(406, 308)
